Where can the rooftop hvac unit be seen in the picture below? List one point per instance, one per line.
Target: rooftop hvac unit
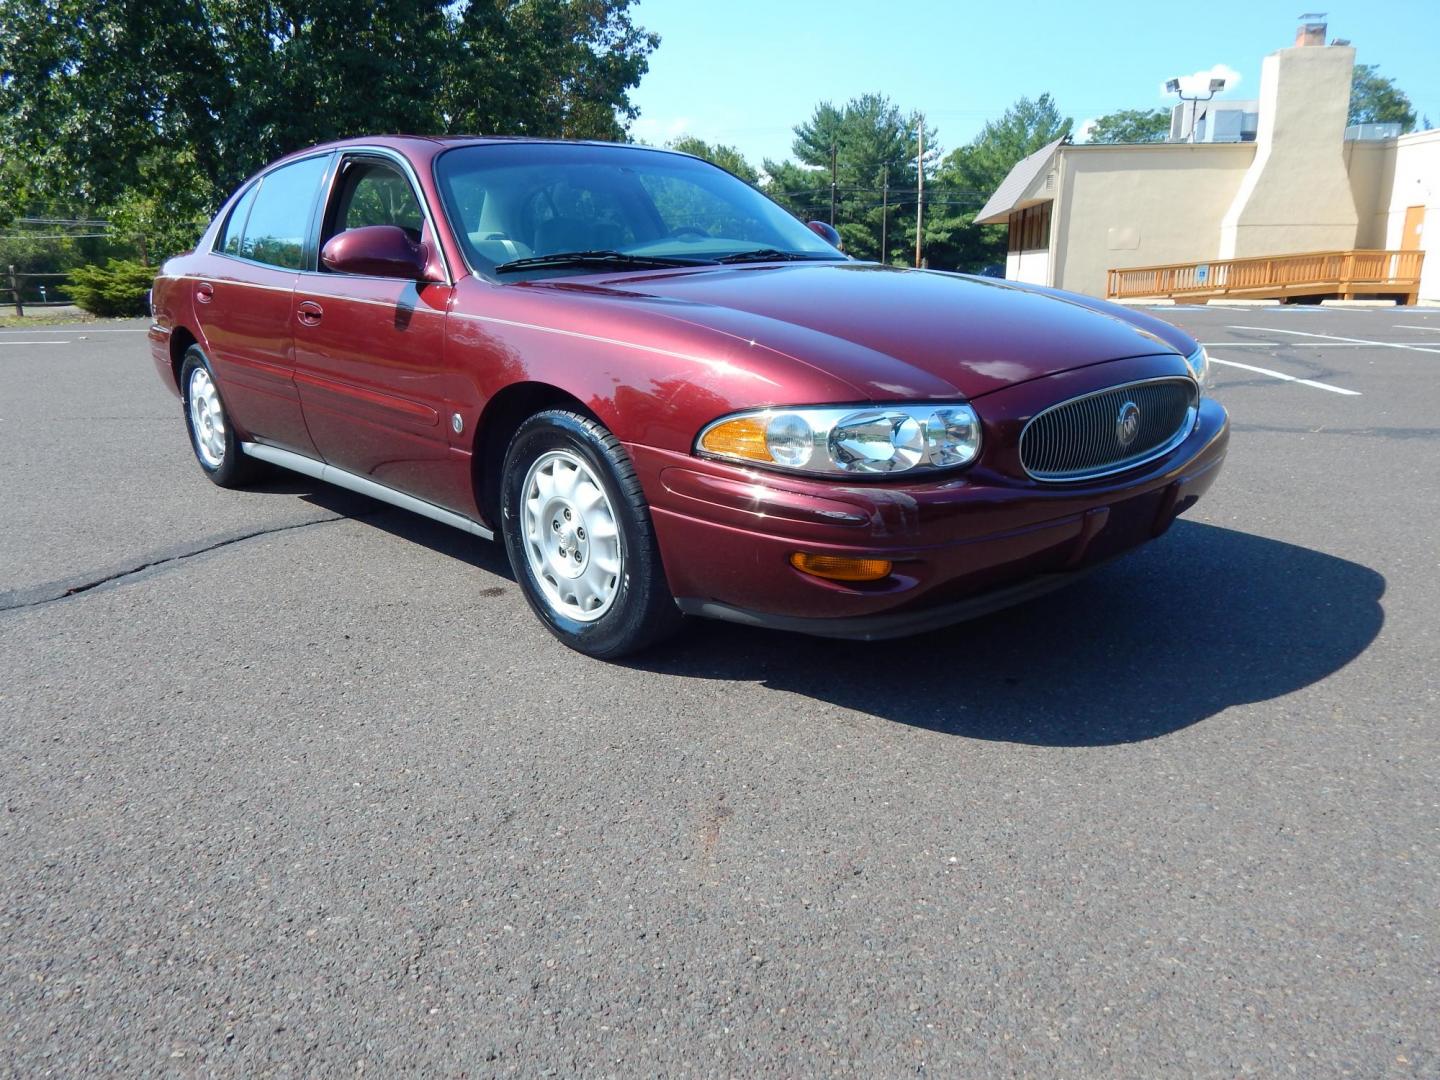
(1370, 132)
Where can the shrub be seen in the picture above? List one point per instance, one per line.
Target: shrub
(117, 288)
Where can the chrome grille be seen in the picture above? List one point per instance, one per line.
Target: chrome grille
(1081, 438)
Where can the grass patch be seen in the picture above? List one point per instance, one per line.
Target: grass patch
(46, 317)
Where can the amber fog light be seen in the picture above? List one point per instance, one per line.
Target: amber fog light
(838, 568)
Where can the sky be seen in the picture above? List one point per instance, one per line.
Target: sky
(745, 72)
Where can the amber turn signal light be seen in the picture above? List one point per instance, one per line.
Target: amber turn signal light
(743, 437)
(839, 568)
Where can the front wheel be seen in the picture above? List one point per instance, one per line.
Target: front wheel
(580, 538)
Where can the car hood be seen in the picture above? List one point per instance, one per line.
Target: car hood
(890, 332)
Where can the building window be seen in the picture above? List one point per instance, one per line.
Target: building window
(1030, 228)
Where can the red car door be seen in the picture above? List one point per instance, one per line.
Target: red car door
(243, 302)
(370, 350)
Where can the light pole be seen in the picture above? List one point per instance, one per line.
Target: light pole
(920, 194)
(1173, 86)
(884, 211)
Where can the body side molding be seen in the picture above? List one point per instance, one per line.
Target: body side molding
(299, 463)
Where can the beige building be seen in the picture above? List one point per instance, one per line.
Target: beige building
(1077, 212)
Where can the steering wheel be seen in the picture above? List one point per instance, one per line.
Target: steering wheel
(689, 230)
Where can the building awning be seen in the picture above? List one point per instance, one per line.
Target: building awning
(1021, 186)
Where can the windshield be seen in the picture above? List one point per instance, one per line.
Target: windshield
(513, 204)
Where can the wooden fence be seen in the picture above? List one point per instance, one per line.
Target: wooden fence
(1345, 274)
(15, 285)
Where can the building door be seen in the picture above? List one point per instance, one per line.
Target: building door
(1414, 226)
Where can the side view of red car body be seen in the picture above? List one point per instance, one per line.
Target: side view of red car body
(669, 397)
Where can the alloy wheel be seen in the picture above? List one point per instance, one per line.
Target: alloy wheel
(207, 419)
(572, 540)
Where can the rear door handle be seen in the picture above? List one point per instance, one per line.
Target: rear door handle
(309, 313)
(204, 292)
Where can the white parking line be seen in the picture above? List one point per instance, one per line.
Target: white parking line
(1332, 337)
(1287, 378)
(3, 341)
(1410, 326)
(1286, 345)
(74, 330)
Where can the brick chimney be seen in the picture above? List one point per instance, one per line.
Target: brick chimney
(1310, 33)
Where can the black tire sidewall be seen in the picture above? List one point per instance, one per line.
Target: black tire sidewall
(643, 609)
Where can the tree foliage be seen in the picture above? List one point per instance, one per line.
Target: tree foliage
(1022, 129)
(969, 175)
(1132, 126)
(727, 157)
(1375, 99)
(875, 145)
(155, 109)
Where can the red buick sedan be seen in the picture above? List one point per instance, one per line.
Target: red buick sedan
(669, 396)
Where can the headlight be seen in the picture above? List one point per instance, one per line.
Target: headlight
(877, 441)
(1200, 367)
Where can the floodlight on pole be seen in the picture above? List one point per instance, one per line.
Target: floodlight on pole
(1173, 87)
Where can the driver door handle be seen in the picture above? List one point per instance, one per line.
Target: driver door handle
(309, 313)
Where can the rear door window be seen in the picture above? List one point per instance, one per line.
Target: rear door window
(280, 216)
(235, 227)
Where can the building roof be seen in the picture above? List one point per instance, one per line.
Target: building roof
(1014, 188)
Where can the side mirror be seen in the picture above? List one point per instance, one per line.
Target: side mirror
(826, 232)
(377, 251)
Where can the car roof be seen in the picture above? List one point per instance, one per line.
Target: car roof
(430, 145)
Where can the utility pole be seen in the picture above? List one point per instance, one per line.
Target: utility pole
(15, 289)
(920, 194)
(884, 211)
(832, 184)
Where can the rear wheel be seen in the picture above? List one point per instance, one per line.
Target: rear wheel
(580, 539)
(211, 435)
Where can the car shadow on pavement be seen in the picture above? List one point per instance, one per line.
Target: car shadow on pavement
(413, 528)
(1203, 619)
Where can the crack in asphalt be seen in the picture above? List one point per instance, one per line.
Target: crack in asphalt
(65, 592)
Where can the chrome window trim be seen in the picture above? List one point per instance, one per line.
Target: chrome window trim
(1192, 417)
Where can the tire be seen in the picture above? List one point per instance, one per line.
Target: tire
(580, 539)
(212, 436)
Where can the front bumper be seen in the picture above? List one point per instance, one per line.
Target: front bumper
(961, 546)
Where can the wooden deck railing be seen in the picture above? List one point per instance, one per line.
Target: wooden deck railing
(1346, 274)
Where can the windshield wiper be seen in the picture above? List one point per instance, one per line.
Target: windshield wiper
(775, 255)
(595, 258)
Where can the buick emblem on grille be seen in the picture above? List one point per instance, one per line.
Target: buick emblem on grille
(1127, 424)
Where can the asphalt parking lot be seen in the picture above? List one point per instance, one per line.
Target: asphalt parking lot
(294, 782)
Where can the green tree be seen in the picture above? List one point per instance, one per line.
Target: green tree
(1375, 99)
(727, 157)
(1022, 129)
(1132, 126)
(970, 174)
(875, 144)
(554, 68)
(154, 109)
